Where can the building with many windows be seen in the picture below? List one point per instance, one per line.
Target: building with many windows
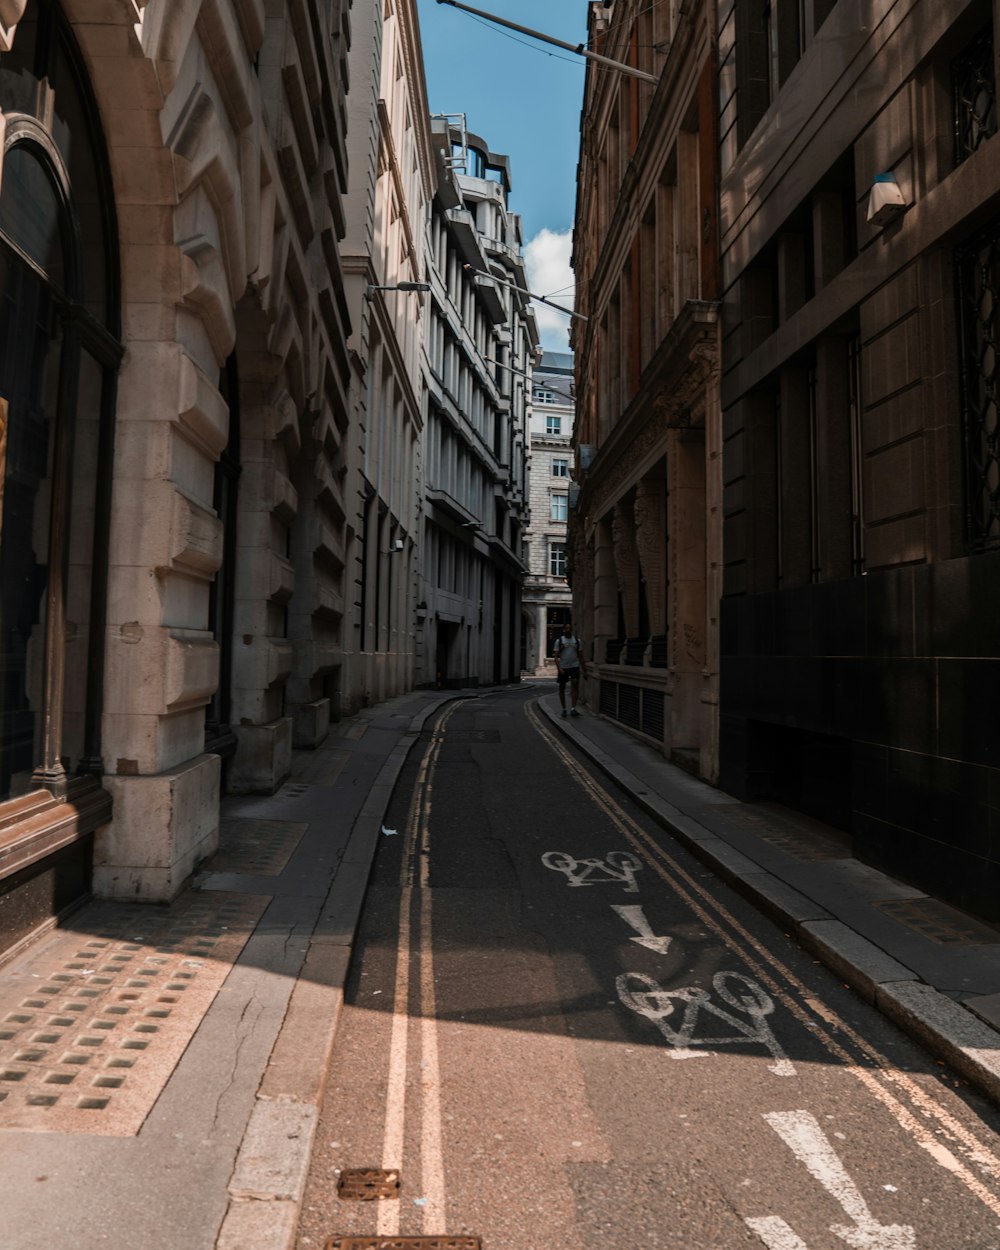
(547, 598)
(481, 341)
(392, 177)
(860, 277)
(645, 536)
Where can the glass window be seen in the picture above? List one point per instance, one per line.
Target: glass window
(560, 468)
(975, 95)
(553, 425)
(30, 212)
(58, 301)
(557, 560)
(559, 510)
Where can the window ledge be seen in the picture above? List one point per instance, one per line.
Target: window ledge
(35, 825)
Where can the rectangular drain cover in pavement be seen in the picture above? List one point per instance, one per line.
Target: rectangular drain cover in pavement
(367, 1184)
(404, 1243)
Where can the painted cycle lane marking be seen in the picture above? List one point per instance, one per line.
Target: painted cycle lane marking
(883, 1081)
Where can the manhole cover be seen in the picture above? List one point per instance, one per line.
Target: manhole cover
(403, 1243)
(938, 922)
(368, 1184)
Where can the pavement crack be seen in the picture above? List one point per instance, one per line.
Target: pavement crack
(244, 1032)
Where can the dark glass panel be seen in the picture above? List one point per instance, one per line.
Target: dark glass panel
(29, 367)
(74, 138)
(82, 519)
(30, 211)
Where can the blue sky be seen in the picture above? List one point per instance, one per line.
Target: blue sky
(523, 97)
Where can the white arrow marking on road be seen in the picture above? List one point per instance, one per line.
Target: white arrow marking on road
(775, 1234)
(634, 917)
(801, 1132)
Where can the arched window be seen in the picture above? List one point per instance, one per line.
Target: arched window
(59, 352)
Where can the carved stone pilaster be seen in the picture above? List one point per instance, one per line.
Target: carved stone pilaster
(651, 539)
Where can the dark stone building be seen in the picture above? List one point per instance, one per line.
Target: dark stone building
(860, 625)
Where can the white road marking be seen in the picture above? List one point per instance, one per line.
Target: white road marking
(617, 868)
(800, 1131)
(645, 996)
(797, 998)
(775, 1234)
(634, 916)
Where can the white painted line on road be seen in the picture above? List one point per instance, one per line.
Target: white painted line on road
(635, 918)
(801, 1133)
(775, 1233)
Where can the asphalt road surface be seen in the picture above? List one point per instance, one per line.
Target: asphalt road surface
(564, 1033)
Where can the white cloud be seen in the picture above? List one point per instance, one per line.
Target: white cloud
(546, 259)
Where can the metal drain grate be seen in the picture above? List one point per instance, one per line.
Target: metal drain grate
(403, 1243)
(368, 1184)
(938, 922)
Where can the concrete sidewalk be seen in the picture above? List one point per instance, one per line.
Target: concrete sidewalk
(161, 1069)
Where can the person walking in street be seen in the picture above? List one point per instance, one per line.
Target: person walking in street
(568, 651)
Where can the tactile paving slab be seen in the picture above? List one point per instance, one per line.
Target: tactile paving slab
(319, 768)
(937, 921)
(260, 847)
(93, 1020)
(784, 836)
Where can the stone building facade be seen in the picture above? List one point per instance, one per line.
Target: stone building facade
(646, 534)
(392, 179)
(860, 275)
(547, 597)
(175, 395)
(480, 346)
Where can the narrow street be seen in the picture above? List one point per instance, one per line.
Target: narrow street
(565, 1033)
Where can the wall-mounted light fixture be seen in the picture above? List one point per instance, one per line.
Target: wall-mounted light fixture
(885, 200)
(396, 286)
